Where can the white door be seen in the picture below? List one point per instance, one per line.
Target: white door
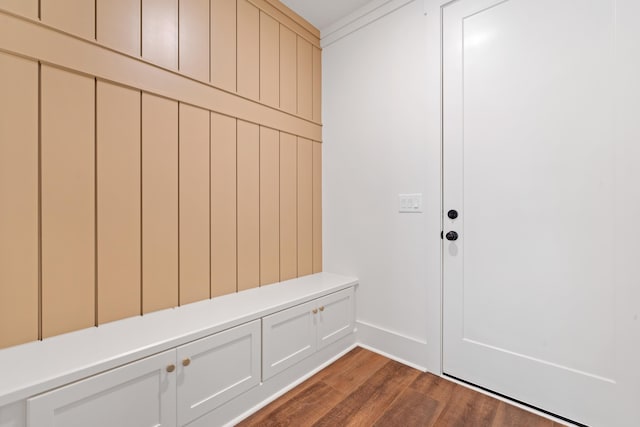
(541, 125)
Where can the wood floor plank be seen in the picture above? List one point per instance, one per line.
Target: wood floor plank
(433, 386)
(342, 363)
(436, 389)
(411, 408)
(369, 401)
(304, 408)
(512, 416)
(339, 365)
(365, 389)
(349, 372)
(468, 407)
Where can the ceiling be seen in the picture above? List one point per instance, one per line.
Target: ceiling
(322, 13)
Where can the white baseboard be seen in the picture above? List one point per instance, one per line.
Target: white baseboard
(395, 346)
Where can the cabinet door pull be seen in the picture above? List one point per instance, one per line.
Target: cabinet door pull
(314, 311)
(186, 361)
(322, 308)
(171, 368)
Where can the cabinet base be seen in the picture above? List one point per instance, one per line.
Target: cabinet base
(236, 410)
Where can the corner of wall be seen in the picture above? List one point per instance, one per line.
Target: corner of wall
(361, 17)
(381, 71)
(401, 348)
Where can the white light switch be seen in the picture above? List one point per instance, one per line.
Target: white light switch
(410, 203)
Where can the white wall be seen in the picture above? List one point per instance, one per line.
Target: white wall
(381, 96)
(381, 114)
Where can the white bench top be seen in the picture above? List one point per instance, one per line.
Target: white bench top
(35, 367)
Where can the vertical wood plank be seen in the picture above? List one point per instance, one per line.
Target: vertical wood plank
(248, 205)
(160, 32)
(288, 206)
(68, 205)
(194, 38)
(118, 24)
(305, 78)
(317, 207)
(223, 205)
(194, 204)
(223, 44)
(305, 207)
(269, 206)
(269, 60)
(248, 50)
(288, 63)
(159, 203)
(71, 16)
(19, 201)
(28, 8)
(118, 202)
(317, 85)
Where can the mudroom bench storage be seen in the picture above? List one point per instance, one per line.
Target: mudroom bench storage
(207, 363)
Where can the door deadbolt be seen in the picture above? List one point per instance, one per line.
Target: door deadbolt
(452, 214)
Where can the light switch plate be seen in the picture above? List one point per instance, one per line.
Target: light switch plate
(410, 203)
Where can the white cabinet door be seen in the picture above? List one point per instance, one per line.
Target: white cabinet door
(335, 317)
(213, 370)
(141, 394)
(288, 337)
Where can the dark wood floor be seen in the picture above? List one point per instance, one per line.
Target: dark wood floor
(366, 389)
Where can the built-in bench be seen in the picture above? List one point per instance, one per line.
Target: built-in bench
(269, 337)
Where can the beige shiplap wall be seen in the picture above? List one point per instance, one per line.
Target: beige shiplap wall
(153, 153)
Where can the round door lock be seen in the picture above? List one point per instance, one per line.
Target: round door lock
(452, 214)
(452, 235)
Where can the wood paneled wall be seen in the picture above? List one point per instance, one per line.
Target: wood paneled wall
(19, 199)
(153, 153)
